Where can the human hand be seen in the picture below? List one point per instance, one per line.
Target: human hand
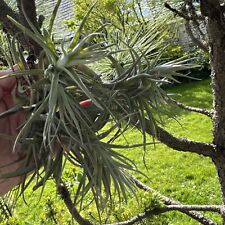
(9, 160)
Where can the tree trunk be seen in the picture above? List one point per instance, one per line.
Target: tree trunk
(216, 32)
(217, 46)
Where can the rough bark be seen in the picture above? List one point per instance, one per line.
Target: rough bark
(216, 32)
(213, 11)
(195, 40)
(30, 10)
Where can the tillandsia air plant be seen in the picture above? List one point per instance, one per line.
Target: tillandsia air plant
(75, 90)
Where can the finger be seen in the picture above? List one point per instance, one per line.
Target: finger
(1, 94)
(7, 184)
(7, 84)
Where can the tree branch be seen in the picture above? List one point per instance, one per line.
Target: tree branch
(177, 12)
(9, 28)
(153, 212)
(205, 208)
(168, 201)
(6, 10)
(185, 145)
(179, 144)
(194, 16)
(170, 205)
(65, 195)
(143, 215)
(30, 10)
(193, 109)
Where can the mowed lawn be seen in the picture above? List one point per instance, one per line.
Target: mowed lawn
(186, 177)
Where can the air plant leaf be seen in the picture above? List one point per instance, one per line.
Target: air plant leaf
(52, 19)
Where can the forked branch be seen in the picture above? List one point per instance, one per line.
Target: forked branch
(170, 205)
(168, 201)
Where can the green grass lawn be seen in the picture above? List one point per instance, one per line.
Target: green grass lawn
(188, 178)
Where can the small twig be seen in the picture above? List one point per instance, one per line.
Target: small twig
(16, 109)
(5, 210)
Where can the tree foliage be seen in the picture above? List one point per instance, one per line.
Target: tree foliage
(107, 11)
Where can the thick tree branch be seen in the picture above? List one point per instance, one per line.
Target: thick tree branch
(193, 109)
(179, 144)
(6, 10)
(210, 8)
(30, 10)
(182, 144)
